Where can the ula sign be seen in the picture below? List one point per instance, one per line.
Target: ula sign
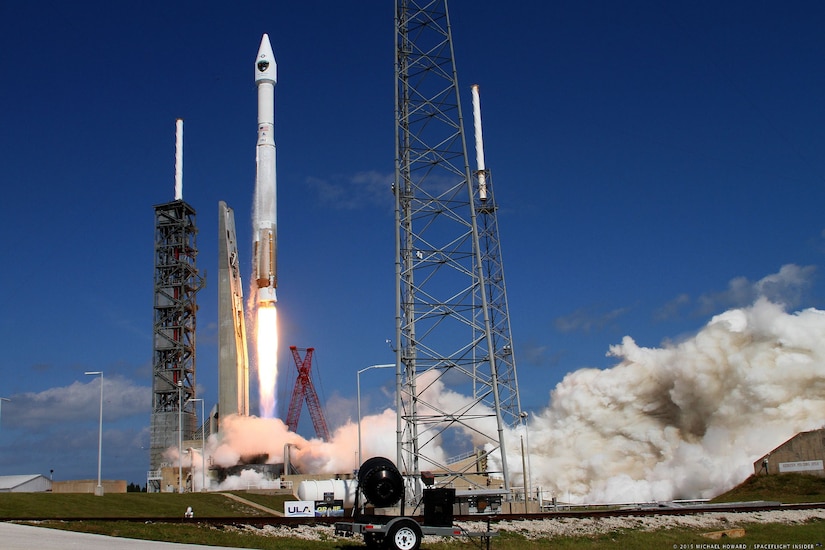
(299, 508)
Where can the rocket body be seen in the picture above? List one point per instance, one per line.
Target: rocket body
(265, 224)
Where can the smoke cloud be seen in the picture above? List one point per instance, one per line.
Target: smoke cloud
(686, 420)
(242, 438)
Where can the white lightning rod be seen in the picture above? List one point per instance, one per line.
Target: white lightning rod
(179, 159)
(482, 176)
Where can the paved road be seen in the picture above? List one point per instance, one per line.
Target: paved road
(27, 537)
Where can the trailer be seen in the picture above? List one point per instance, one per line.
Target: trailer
(401, 532)
(381, 484)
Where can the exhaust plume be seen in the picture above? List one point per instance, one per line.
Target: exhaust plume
(686, 420)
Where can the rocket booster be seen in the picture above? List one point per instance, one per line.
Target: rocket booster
(265, 227)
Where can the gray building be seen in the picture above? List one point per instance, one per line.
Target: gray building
(803, 453)
(31, 483)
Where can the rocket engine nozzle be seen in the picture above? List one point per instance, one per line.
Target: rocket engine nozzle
(267, 296)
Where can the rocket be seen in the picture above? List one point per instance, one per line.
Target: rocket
(265, 225)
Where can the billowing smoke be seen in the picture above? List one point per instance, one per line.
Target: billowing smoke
(686, 420)
(242, 438)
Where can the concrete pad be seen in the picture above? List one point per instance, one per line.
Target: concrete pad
(27, 537)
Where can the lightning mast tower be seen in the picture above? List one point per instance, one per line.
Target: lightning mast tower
(176, 284)
(493, 277)
(444, 320)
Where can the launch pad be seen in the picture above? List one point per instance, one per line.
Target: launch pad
(452, 318)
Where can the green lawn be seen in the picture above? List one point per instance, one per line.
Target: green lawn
(127, 505)
(786, 488)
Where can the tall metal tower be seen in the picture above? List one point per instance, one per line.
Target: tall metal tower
(493, 276)
(176, 284)
(449, 390)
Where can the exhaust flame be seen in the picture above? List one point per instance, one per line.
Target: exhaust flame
(267, 340)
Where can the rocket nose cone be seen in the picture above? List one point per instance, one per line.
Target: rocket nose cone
(265, 66)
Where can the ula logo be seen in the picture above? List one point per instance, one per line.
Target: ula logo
(299, 508)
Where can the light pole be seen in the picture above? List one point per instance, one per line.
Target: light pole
(99, 488)
(203, 446)
(1, 406)
(180, 437)
(358, 387)
(528, 471)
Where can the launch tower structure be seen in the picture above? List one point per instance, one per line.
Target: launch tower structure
(176, 283)
(447, 314)
(493, 282)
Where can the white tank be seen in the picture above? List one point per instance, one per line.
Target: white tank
(342, 489)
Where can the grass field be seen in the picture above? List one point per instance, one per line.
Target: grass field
(131, 505)
(786, 488)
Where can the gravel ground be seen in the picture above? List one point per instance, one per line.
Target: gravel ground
(712, 521)
(564, 527)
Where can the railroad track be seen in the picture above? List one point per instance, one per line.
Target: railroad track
(260, 521)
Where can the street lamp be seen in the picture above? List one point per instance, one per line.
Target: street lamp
(99, 488)
(529, 470)
(203, 446)
(358, 387)
(1, 405)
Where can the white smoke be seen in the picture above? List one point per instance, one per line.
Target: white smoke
(685, 420)
(242, 438)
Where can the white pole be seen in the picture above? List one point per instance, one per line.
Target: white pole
(203, 449)
(203, 446)
(529, 473)
(99, 488)
(180, 438)
(482, 177)
(358, 387)
(178, 159)
(1, 406)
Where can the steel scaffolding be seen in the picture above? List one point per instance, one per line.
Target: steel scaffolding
(176, 284)
(455, 377)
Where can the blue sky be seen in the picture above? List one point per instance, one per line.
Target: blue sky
(655, 164)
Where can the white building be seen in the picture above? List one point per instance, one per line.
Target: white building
(31, 483)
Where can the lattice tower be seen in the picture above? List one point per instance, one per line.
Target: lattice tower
(176, 284)
(445, 324)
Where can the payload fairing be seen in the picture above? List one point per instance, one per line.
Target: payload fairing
(265, 213)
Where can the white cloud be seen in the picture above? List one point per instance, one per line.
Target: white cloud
(79, 401)
(588, 319)
(356, 191)
(788, 287)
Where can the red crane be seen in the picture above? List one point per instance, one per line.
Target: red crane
(304, 389)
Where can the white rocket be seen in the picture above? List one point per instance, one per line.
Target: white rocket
(265, 220)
